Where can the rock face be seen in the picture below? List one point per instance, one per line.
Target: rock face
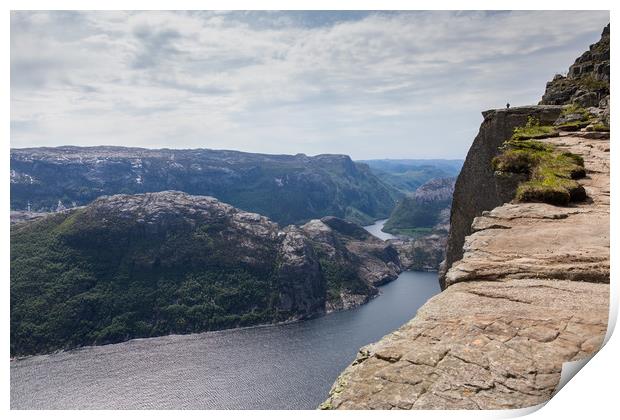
(421, 222)
(422, 209)
(526, 288)
(286, 188)
(587, 81)
(23, 216)
(424, 253)
(354, 262)
(530, 293)
(476, 188)
(151, 264)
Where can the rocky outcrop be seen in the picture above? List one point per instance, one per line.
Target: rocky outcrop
(530, 293)
(24, 216)
(357, 254)
(437, 189)
(152, 264)
(424, 253)
(526, 287)
(421, 222)
(587, 81)
(477, 188)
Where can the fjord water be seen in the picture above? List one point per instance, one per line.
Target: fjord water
(375, 229)
(288, 366)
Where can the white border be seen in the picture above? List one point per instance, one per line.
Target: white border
(592, 394)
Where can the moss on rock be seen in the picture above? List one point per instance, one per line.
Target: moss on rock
(551, 173)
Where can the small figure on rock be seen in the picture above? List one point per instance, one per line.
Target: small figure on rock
(507, 105)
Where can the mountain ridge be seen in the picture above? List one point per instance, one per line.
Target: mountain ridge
(287, 188)
(145, 265)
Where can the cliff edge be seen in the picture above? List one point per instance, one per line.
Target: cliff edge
(526, 285)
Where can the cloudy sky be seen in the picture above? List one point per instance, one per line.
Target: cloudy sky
(367, 84)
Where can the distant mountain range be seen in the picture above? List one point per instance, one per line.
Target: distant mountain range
(289, 189)
(407, 175)
(102, 249)
(286, 188)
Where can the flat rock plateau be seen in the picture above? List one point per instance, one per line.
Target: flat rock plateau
(525, 284)
(530, 293)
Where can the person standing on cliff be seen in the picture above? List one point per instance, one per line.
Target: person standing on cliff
(508, 105)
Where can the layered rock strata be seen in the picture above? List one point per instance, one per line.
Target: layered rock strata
(530, 293)
(587, 80)
(477, 189)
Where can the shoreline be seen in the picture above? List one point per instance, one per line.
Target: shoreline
(212, 332)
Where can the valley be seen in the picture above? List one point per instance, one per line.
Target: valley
(286, 366)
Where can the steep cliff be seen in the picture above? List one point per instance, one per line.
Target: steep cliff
(526, 283)
(530, 293)
(477, 188)
(152, 264)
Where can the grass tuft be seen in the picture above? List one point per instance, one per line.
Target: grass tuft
(599, 127)
(551, 173)
(592, 84)
(533, 130)
(585, 118)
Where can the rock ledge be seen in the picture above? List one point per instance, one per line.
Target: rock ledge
(530, 293)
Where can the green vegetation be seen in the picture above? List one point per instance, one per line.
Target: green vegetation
(551, 173)
(533, 130)
(340, 278)
(414, 217)
(287, 189)
(354, 215)
(599, 127)
(417, 214)
(117, 270)
(583, 118)
(79, 281)
(414, 232)
(590, 83)
(576, 109)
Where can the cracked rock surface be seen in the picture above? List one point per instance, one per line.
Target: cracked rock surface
(530, 293)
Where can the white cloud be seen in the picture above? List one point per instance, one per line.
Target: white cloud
(370, 85)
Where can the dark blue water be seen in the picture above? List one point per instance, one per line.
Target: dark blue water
(286, 366)
(275, 367)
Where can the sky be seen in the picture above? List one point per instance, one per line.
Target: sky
(368, 84)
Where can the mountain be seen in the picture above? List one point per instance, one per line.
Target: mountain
(407, 175)
(288, 189)
(152, 264)
(587, 80)
(419, 212)
(421, 220)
